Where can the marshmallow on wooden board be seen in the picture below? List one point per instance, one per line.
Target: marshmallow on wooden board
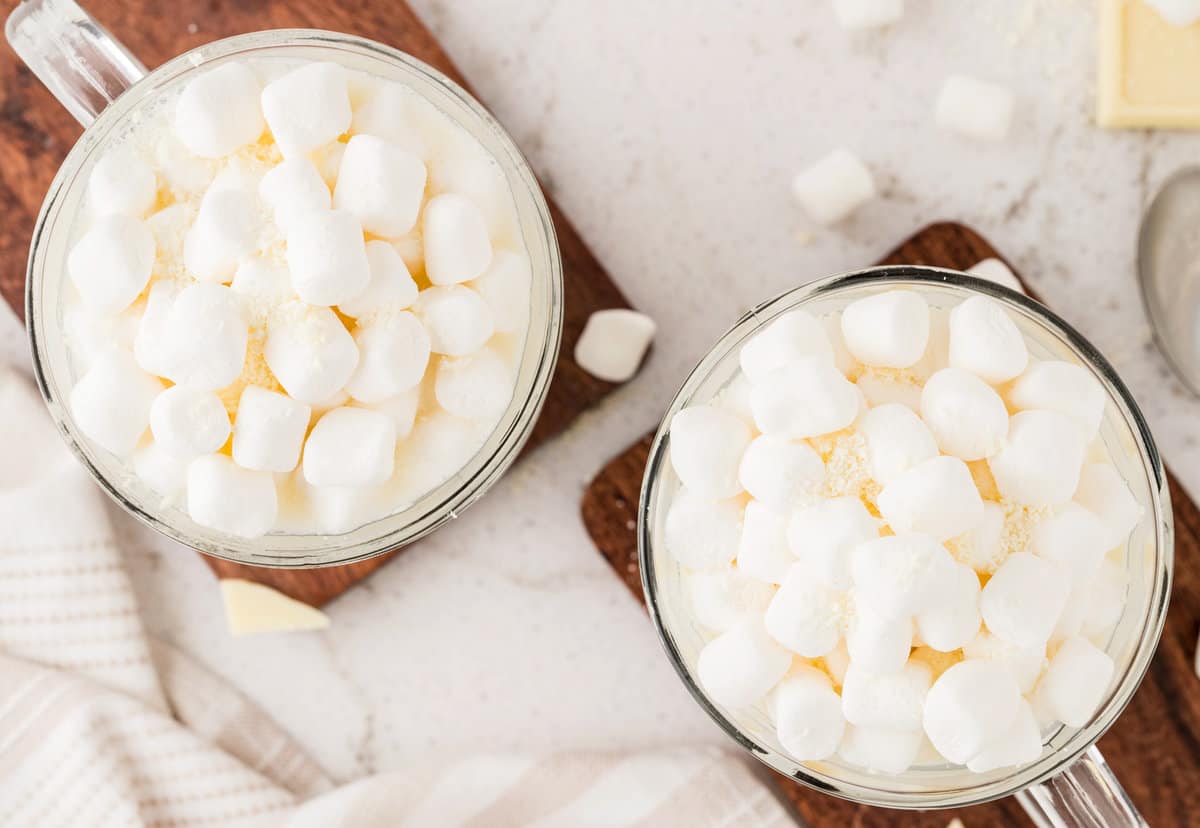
(807, 715)
(805, 399)
(613, 341)
(188, 422)
(381, 185)
(269, 430)
(805, 615)
(1040, 461)
(1106, 599)
(1104, 493)
(163, 472)
(307, 107)
(883, 750)
(506, 285)
(309, 351)
(1064, 387)
(1075, 538)
(111, 402)
(385, 115)
(1024, 664)
(970, 706)
(741, 665)
(955, 619)
(722, 598)
(985, 341)
(111, 264)
(121, 182)
(223, 496)
(1024, 598)
(701, 534)
(290, 187)
(965, 414)
(878, 643)
(782, 473)
(794, 336)
(867, 14)
(327, 257)
(892, 701)
(889, 329)
(897, 440)
(937, 497)
(402, 408)
(206, 334)
(226, 230)
(998, 272)
(149, 344)
(1020, 744)
(1075, 682)
(833, 187)
(218, 111)
(390, 286)
(350, 447)
(823, 536)
(475, 387)
(974, 108)
(763, 549)
(393, 353)
(706, 449)
(899, 575)
(457, 319)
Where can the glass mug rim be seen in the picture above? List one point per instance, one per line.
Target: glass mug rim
(1152, 624)
(436, 506)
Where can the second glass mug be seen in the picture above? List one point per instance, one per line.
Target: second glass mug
(1069, 784)
(104, 86)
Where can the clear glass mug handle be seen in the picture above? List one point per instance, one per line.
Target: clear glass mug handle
(1085, 794)
(76, 58)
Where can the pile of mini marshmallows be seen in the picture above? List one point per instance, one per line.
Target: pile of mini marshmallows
(903, 536)
(296, 281)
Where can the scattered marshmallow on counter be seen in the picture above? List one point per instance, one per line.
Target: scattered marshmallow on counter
(974, 108)
(867, 14)
(996, 271)
(834, 187)
(612, 344)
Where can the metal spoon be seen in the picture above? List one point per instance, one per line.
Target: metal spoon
(1168, 265)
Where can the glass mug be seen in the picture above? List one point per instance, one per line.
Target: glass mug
(106, 88)
(1070, 783)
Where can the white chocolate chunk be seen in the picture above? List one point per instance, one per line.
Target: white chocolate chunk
(1022, 602)
(899, 575)
(613, 343)
(309, 351)
(834, 187)
(882, 750)
(327, 256)
(252, 608)
(218, 111)
(393, 354)
(805, 399)
(188, 422)
(937, 497)
(897, 440)
(739, 667)
(804, 615)
(269, 431)
(1022, 743)
(457, 319)
(223, 496)
(475, 387)
(1063, 387)
(293, 186)
(877, 643)
(457, 247)
(380, 184)
(782, 473)
(1040, 461)
(823, 536)
(965, 414)
(808, 715)
(955, 619)
(985, 341)
(111, 402)
(1075, 682)
(701, 534)
(307, 107)
(867, 14)
(706, 449)
(121, 182)
(1104, 493)
(224, 233)
(111, 264)
(886, 701)
(889, 329)
(506, 285)
(763, 551)
(390, 287)
(206, 334)
(792, 337)
(350, 447)
(970, 706)
(974, 108)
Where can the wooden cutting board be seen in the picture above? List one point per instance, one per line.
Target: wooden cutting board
(36, 133)
(1154, 747)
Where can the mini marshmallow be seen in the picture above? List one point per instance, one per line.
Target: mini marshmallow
(121, 182)
(739, 667)
(823, 536)
(781, 473)
(842, 358)
(1021, 743)
(163, 472)
(763, 551)
(701, 534)
(805, 399)
(1040, 461)
(996, 271)
(1177, 12)
(979, 548)
(206, 337)
(337, 510)
(269, 430)
(390, 286)
(885, 390)
(837, 662)
(877, 643)
(974, 108)
(808, 715)
(886, 701)
(1106, 592)
(970, 706)
(985, 341)
(965, 414)
(225, 232)
(889, 329)
(867, 14)
(804, 615)
(1104, 493)
(328, 161)
(218, 111)
(309, 351)
(723, 598)
(457, 319)
(111, 402)
(350, 447)
(613, 343)
(393, 353)
(899, 575)
(1075, 538)
(380, 184)
(706, 449)
(111, 264)
(230, 499)
(937, 497)
(457, 248)
(955, 620)
(1024, 664)
(440, 445)
(153, 330)
(1075, 682)
(402, 409)
(292, 186)
(897, 440)
(1063, 387)
(327, 257)
(262, 285)
(834, 187)
(386, 116)
(307, 107)
(792, 337)
(1024, 599)
(1070, 620)
(878, 749)
(735, 398)
(505, 286)
(188, 422)
(476, 387)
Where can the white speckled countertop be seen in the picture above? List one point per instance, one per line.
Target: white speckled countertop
(670, 137)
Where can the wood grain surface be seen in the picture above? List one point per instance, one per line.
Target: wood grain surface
(36, 133)
(1154, 747)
